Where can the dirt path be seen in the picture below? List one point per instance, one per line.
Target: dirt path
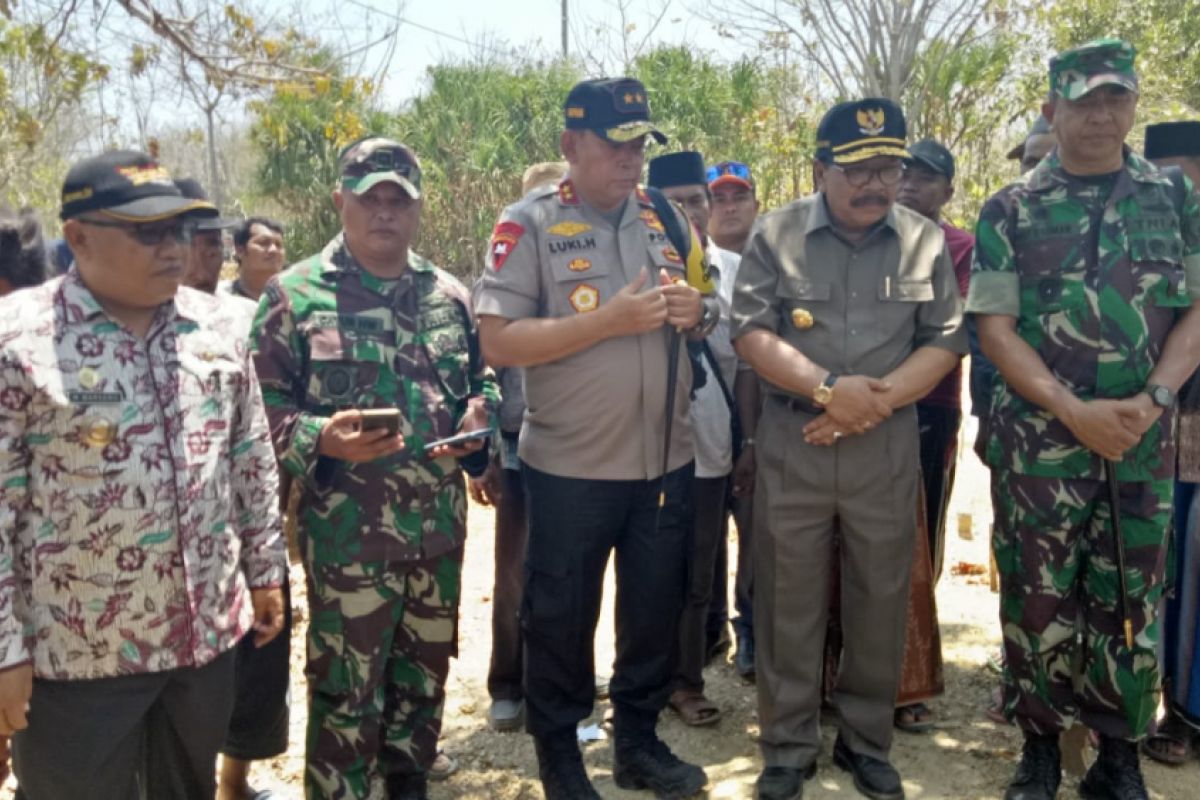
(967, 756)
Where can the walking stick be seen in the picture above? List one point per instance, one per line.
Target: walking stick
(1114, 505)
(672, 377)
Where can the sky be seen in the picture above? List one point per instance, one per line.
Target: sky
(434, 31)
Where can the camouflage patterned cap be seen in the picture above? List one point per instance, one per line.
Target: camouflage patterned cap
(374, 160)
(1103, 62)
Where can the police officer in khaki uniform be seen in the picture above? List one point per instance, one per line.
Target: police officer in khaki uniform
(846, 305)
(585, 291)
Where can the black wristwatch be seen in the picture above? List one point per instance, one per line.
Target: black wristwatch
(1160, 395)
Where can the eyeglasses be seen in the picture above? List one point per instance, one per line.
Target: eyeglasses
(860, 177)
(734, 168)
(150, 234)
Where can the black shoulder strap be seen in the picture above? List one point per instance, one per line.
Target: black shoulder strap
(681, 240)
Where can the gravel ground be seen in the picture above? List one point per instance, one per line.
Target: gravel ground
(966, 756)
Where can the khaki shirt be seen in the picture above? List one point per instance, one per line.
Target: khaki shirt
(854, 309)
(598, 413)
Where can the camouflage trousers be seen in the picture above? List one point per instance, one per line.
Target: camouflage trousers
(1064, 644)
(380, 639)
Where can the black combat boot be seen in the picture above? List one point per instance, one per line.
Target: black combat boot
(1040, 771)
(407, 786)
(1116, 774)
(782, 783)
(560, 766)
(642, 761)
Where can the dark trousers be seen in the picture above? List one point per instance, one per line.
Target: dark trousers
(717, 624)
(708, 534)
(153, 736)
(504, 673)
(743, 586)
(258, 728)
(573, 526)
(938, 426)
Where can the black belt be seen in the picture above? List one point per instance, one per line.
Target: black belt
(799, 404)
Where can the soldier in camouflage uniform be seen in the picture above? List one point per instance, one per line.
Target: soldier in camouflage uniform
(1083, 281)
(368, 324)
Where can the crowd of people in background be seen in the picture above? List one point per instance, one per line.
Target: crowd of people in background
(638, 365)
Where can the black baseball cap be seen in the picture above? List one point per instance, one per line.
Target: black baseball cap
(677, 169)
(615, 109)
(1173, 139)
(193, 190)
(861, 129)
(128, 185)
(934, 155)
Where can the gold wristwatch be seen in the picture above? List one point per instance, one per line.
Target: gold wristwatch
(824, 393)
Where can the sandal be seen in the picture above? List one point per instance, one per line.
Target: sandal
(443, 767)
(914, 718)
(1173, 743)
(694, 708)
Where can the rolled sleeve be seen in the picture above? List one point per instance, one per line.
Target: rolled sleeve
(995, 288)
(511, 283)
(755, 304)
(256, 490)
(15, 630)
(940, 321)
(1190, 229)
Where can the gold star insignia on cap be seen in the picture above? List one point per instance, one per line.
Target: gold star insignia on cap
(628, 97)
(802, 318)
(641, 98)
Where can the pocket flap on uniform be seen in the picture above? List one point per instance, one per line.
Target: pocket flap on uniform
(801, 289)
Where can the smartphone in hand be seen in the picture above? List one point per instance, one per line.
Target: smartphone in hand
(461, 438)
(387, 419)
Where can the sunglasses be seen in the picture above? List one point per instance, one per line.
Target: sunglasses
(150, 234)
(735, 168)
(386, 159)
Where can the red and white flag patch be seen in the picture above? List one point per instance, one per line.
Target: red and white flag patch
(504, 241)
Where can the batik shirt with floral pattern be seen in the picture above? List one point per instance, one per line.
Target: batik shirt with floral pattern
(137, 485)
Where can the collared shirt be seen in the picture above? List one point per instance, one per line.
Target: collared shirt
(711, 428)
(332, 336)
(1095, 283)
(233, 288)
(598, 413)
(857, 309)
(948, 393)
(138, 497)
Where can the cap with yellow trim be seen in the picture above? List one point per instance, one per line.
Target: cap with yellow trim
(616, 109)
(861, 129)
(127, 185)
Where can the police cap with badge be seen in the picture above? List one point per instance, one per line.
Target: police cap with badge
(615, 109)
(861, 129)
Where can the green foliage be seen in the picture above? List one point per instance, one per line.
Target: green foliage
(1165, 32)
(476, 129)
(298, 133)
(40, 80)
